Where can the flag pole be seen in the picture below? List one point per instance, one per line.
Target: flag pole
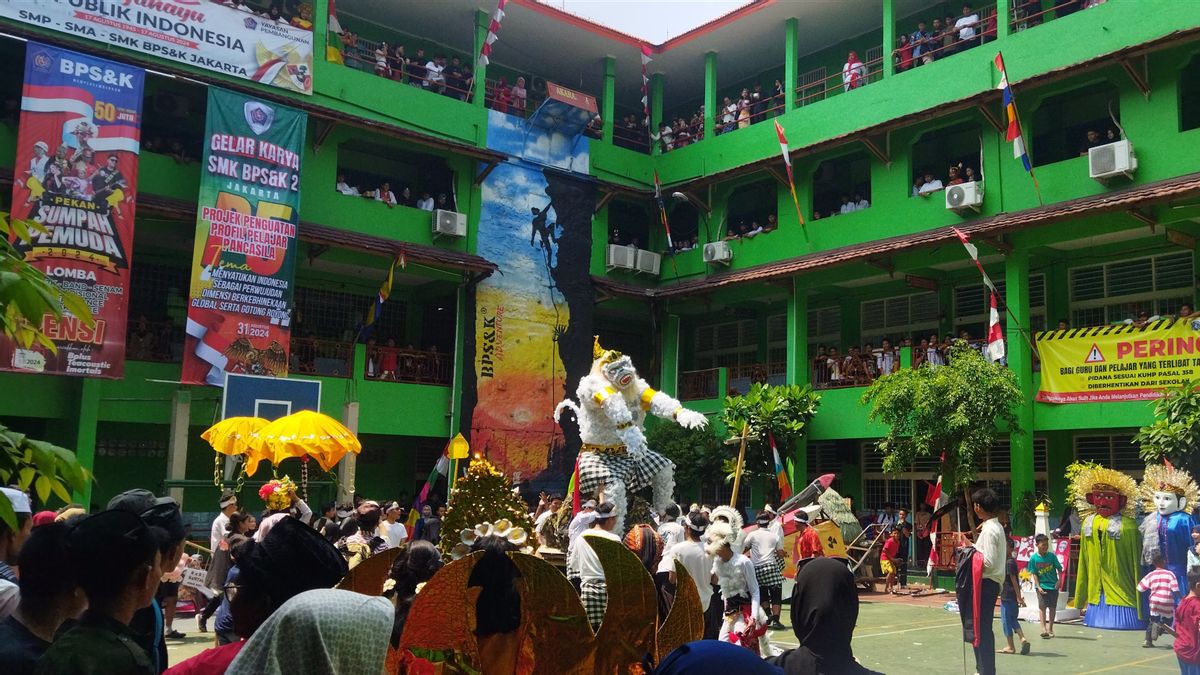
(1021, 129)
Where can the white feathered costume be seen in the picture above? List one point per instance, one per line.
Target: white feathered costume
(613, 402)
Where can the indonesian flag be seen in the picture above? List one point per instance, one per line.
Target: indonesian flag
(1013, 132)
(493, 29)
(787, 163)
(995, 337)
(936, 499)
(974, 253)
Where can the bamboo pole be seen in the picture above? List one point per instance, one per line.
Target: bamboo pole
(737, 475)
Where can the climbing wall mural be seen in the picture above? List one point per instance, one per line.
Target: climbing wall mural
(533, 319)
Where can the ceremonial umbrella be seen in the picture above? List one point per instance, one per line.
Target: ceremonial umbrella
(236, 436)
(306, 434)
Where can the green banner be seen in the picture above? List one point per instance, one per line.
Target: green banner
(240, 303)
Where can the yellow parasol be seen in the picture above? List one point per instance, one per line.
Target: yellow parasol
(306, 434)
(236, 436)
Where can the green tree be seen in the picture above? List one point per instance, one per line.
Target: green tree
(952, 411)
(783, 412)
(697, 453)
(1175, 434)
(26, 295)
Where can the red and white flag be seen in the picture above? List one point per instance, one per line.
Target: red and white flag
(485, 51)
(936, 499)
(995, 336)
(787, 162)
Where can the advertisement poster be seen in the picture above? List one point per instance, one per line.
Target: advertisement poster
(76, 174)
(1124, 362)
(1025, 547)
(199, 33)
(240, 300)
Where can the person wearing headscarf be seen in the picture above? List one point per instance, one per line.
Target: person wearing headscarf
(317, 632)
(854, 73)
(824, 613)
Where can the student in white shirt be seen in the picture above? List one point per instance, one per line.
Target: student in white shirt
(690, 553)
(670, 531)
(583, 564)
(989, 544)
(966, 26)
(734, 572)
(384, 194)
(931, 184)
(434, 79)
(582, 521)
(425, 203)
(859, 202)
(766, 554)
(391, 529)
(847, 206)
(344, 187)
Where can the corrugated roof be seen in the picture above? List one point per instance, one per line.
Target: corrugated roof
(1118, 200)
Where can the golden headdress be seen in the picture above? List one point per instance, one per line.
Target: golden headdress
(603, 355)
(1091, 476)
(1164, 478)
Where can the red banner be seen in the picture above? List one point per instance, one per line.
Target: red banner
(76, 175)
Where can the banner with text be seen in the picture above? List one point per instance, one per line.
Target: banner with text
(200, 33)
(76, 174)
(240, 303)
(1125, 362)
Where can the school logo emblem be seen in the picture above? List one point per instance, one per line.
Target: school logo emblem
(43, 62)
(1094, 355)
(259, 116)
(250, 23)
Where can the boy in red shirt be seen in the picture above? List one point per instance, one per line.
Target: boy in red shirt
(889, 560)
(808, 542)
(1187, 628)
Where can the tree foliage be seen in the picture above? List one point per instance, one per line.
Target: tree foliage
(37, 466)
(952, 410)
(1175, 434)
(26, 295)
(782, 411)
(697, 453)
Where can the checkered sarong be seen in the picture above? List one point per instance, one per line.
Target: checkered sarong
(594, 594)
(768, 574)
(595, 467)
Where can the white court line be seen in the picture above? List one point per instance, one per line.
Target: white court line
(907, 630)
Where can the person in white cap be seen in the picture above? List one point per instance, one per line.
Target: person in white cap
(37, 163)
(10, 545)
(220, 526)
(391, 529)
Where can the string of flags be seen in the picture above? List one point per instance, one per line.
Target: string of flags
(1013, 133)
(787, 162)
(485, 51)
(646, 96)
(662, 209)
(385, 290)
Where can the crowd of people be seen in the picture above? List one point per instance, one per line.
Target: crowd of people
(292, 13)
(404, 364)
(942, 37)
(405, 196)
(858, 367)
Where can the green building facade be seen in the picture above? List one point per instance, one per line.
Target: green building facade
(1069, 248)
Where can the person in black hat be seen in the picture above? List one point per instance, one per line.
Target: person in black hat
(50, 595)
(117, 559)
(162, 516)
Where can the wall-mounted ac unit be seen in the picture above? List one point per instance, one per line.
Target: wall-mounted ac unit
(449, 223)
(964, 197)
(620, 257)
(718, 253)
(1109, 161)
(648, 262)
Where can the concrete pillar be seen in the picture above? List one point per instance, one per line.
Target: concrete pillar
(656, 107)
(349, 463)
(710, 93)
(177, 446)
(85, 434)
(1003, 14)
(1020, 361)
(797, 371)
(889, 37)
(482, 20)
(668, 379)
(608, 106)
(791, 65)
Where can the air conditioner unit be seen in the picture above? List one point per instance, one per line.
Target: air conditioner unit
(718, 253)
(449, 223)
(1111, 160)
(648, 262)
(964, 197)
(620, 257)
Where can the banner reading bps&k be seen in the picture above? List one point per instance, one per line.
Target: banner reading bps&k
(76, 176)
(240, 300)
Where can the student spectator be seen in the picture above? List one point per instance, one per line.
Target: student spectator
(442, 203)
(949, 36)
(729, 111)
(117, 559)
(758, 104)
(406, 197)
(1091, 140)
(887, 362)
(382, 68)
(425, 203)
(772, 223)
(501, 95)
(384, 194)
(920, 41)
(10, 546)
(435, 80)
(416, 69)
(49, 597)
(970, 175)
(904, 54)
(854, 73)
(744, 109)
(930, 185)
(396, 62)
(455, 81)
(847, 205)
(667, 136)
(860, 202)
(777, 101)
(518, 97)
(967, 27)
(345, 188)
(954, 177)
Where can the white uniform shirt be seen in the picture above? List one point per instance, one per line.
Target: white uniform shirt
(582, 560)
(696, 562)
(671, 533)
(219, 530)
(966, 26)
(425, 204)
(762, 545)
(990, 545)
(393, 533)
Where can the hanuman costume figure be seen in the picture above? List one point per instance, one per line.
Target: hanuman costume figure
(1168, 495)
(1109, 549)
(612, 408)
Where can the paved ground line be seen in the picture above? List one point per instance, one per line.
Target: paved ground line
(1130, 663)
(907, 630)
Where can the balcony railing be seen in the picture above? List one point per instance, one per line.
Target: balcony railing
(1029, 13)
(394, 364)
(327, 358)
(699, 385)
(155, 341)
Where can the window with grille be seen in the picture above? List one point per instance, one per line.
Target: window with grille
(325, 314)
(1116, 291)
(824, 457)
(972, 306)
(812, 86)
(729, 344)
(1115, 452)
(900, 316)
(157, 292)
(874, 63)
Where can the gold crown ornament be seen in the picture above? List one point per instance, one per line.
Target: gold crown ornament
(1092, 477)
(1166, 478)
(603, 355)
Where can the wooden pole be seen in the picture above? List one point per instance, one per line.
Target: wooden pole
(737, 474)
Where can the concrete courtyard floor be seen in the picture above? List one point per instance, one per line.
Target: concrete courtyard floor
(900, 635)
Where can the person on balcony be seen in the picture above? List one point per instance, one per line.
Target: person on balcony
(854, 73)
(518, 97)
(930, 185)
(388, 359)
(384, 194)
(425, 203)
(921, 46)
(967, 27)
(416, 69)
(382, 68)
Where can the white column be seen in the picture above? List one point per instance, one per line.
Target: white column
(346, 468)
(181, 411)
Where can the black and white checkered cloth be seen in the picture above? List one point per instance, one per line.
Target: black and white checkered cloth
(594, 594)
(595, 467)
(768, 574)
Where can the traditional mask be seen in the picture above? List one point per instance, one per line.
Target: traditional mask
(1167, 502)
(1107, 502)
(620, 372)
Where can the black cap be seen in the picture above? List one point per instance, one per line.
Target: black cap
(160, 512)
(137, 501)
(107, 547)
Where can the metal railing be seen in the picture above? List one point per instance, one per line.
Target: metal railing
(408, 365)
(635, 139)
(697, 385)
(1026, 14)
(946, 43)
(844, 80)
(327, 358)
(837, 371)
(746, 112)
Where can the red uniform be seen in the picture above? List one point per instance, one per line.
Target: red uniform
(1187, 624)
(808, 544)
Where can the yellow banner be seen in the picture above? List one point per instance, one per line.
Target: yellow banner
(1124, 362)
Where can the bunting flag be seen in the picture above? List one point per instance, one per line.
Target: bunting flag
(974, 253)
(936, 499)
(646, 94)
(334, 26)
(1013, 134)
(485, 51)
(662, 209)
(995, 336)
(376, 308)
(787, 162)
(785, 486)
(987, 281)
